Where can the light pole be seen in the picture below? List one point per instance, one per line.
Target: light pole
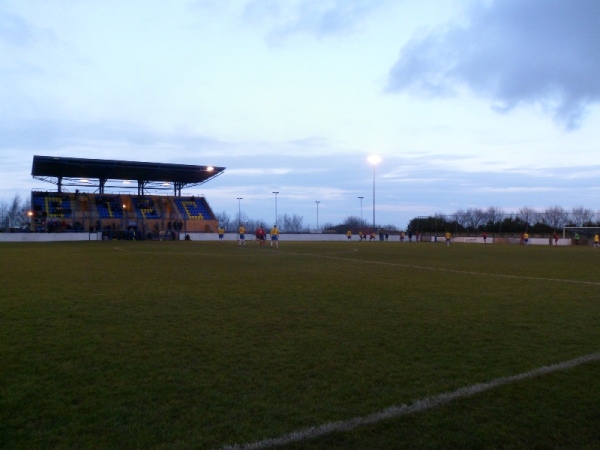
(361, 216)
(276, 192)
(317, 202)
(239, 199)
(374, 160)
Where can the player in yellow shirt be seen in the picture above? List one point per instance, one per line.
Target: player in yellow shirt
(242, 239)
(448, 237)
(274, 236)
(596, 240)
(221, 234)
(349, 234)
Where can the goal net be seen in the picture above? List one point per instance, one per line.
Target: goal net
(586, 233)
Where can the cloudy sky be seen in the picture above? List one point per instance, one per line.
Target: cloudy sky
(468, 103)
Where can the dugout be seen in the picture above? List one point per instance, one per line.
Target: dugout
(123, 199)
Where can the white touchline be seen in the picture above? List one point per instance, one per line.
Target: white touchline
(362, 261)
(441, 269)
(416, 406)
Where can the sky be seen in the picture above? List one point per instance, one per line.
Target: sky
(469, 104)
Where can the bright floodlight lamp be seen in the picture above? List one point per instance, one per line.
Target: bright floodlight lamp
(374, 160)
(210, 168)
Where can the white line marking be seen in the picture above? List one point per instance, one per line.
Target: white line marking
(362, 261)
(416, 406)
(441, 269)
(229, 251)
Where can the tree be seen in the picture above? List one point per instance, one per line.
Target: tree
(327, 226)
(225, 221)
(582, 217)
(15, 214)
(493, 217)
(3, 215)
(471, 219)
(527, 215)
(291, 224)
(555, 217)
(26, 214)
(241, 218)
(352, 222)
(464, 218)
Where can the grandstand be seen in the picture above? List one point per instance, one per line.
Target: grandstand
(90, 197)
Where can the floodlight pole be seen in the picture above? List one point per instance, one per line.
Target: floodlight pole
(239, 199)
(317, 202)
(275, 192)
(374, 160)
(373, 197)
(361, 210)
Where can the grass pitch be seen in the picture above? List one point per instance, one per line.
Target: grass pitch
(194, 345)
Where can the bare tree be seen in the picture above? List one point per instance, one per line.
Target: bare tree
(241, 218)
(582, 216)
(463, 217)
(291, 224)
(352, 222)
(225, 221)
(3, 214)
(555, 217)
(472, 218)
(15, 214)
(527, 215)
(493, 214)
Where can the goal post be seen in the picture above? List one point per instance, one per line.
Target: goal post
(587, 232)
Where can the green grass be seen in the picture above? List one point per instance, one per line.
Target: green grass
(193, 345)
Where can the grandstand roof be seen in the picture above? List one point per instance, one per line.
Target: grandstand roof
(98, 172)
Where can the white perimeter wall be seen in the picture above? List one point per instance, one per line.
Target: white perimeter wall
(54, 237)
(49, 237)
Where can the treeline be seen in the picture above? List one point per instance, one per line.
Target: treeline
(293, 224)
(285, 222)
(494, 220)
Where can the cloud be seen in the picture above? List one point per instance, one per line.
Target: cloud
(261, 172)
(14, 30)
(64, 135)
(321, 19)
(513, 52)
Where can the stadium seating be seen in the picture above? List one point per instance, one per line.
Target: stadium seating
(193, 208)
(109, 207)
(145, 208)
(52, 205)
(54, 211)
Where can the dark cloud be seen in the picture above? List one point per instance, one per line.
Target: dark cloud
(542, 52)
